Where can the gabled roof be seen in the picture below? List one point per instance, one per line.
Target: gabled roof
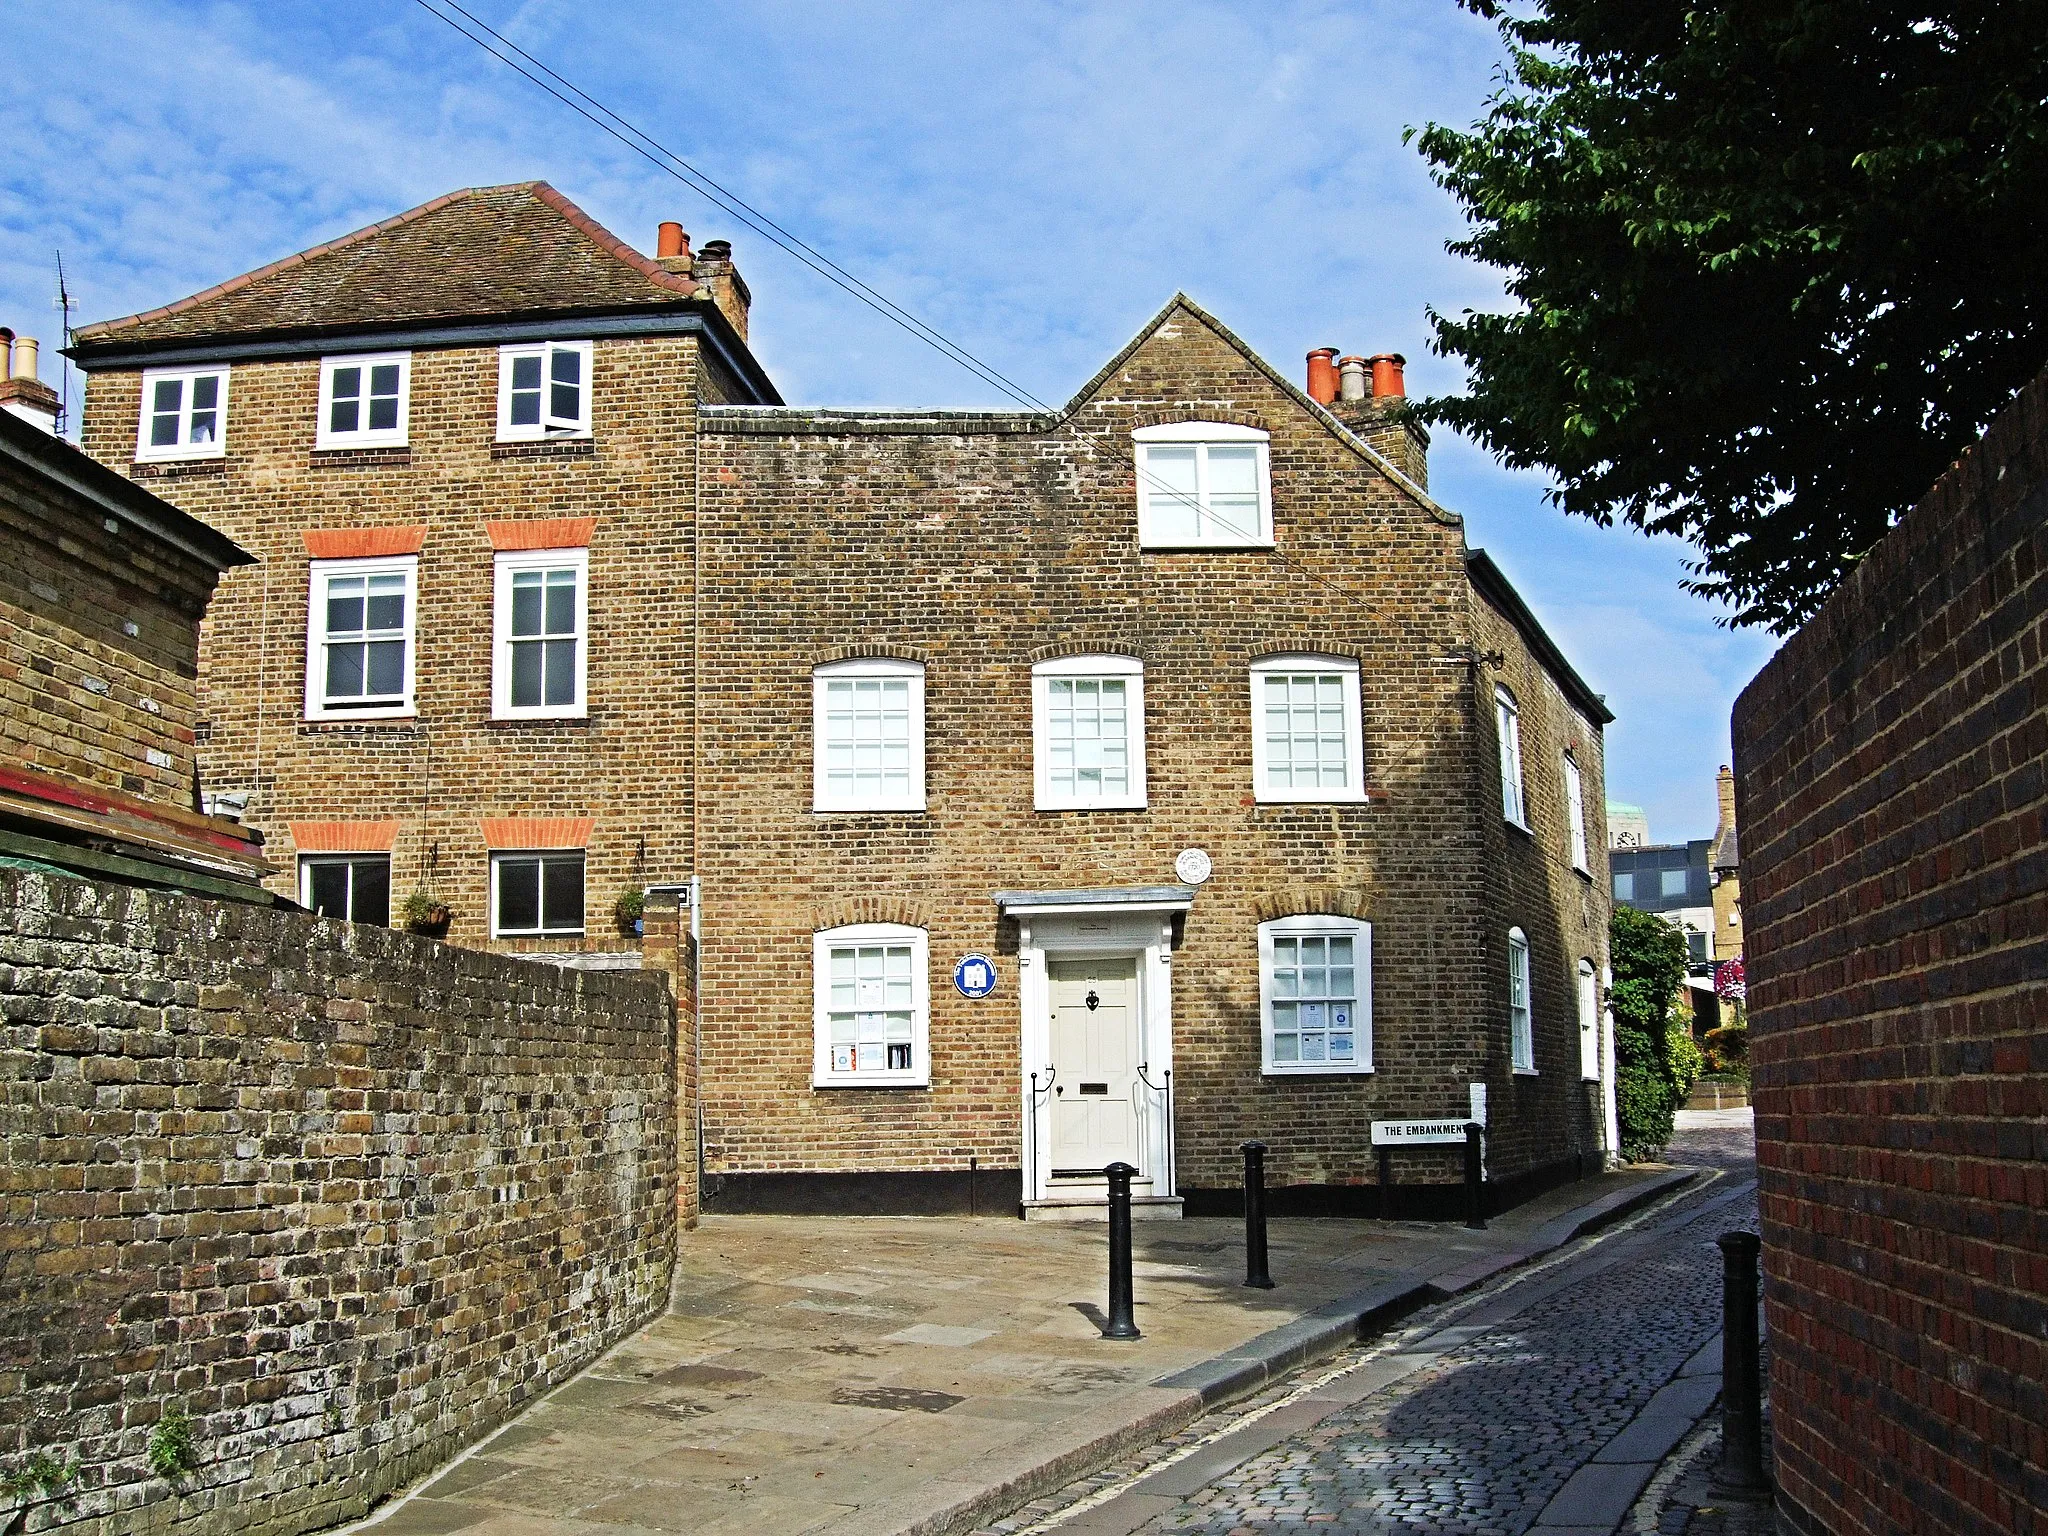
(484, 252)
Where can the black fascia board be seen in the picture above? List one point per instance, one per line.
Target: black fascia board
(54, 459)
(1487, 577)
(687, 318)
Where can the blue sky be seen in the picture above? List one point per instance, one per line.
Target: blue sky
(1034, 181)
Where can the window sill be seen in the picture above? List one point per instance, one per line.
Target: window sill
(579, 717)
(1583, 873)
(1315, 1071)
(352, 716)
(359, 455)
(870, 1082)
(1524, 1072)
(1061, 806)
(1249, 546)
(1516, 826)
(1350, 797)
(529, 934)
(544, 448)
(165, 469)
(868, 810)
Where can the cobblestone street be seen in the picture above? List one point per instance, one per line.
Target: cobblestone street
(1544, 1404)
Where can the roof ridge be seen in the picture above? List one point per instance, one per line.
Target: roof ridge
(588, 227)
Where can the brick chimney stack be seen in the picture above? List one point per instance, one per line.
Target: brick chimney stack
(729, 290)
(1370, 396)
(21, 392)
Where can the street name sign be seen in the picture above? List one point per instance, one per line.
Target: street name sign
(1414, 1133)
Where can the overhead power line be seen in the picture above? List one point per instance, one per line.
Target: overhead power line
(588, 107)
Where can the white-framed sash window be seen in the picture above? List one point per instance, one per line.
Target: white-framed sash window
(867, 733)
(1307, 741)
(1575, 812)
(872, 1005)
(184, 414)
(534, 894)
(1088, 733)
(355, 887)
(1203, 485)
(1589, 1022)
(1521, 1032)
(541, 629)
(365, 401)
(1507, 720)
(359, 638)
(544, 390)
(1315, 994)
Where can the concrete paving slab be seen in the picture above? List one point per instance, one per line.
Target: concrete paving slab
(1665, 1420)
(1707, 1362)
(915, 1376)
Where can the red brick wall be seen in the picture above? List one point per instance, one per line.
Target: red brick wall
(1890, 765)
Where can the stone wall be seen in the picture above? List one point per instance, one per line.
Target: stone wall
(1892, 781)
(345, 1197)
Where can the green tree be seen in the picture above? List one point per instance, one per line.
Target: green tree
(1648, 956)
(1776, 264)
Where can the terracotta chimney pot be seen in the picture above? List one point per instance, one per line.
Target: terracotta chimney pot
(1322, 375)
(671, 240)
(1386, 375)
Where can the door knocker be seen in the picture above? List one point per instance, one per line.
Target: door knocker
(1092, 1001)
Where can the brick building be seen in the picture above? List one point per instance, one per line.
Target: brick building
(1890, 765)
(101, 590)
(1118, 781)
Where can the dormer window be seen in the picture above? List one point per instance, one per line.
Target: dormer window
(543, 390)
(1203, 485)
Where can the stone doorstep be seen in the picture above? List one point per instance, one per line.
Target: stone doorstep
(1083, 1208)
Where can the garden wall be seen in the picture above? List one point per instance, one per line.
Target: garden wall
(345, 1197)
(1892, 775)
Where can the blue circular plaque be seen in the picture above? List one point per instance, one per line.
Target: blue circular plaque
(975, 976)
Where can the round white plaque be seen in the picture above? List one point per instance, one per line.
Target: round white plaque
(1193, 866)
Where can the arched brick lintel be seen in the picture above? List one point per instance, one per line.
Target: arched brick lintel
(869, 909)
(1315, 900)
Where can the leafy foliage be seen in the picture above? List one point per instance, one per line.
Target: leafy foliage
(1648, 956)
(173, 1452)
(41, 1475)
(1777, 265)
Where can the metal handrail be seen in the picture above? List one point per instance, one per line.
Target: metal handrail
(1165, 1090)
(1031, 1122)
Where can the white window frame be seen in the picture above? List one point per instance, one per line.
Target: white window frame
(1507, 723)
(319, 571)
(549, 426)
(506, 564)
(324, 435)
(308, 862)
(1126, 669)
(823, 942)
(1200, 435)
(1353, 792)
(1575, 813)
(149, 453)
(822, 797)
(1317, 925)
(499, 855)
(1522, 1016)
(1589, 1022)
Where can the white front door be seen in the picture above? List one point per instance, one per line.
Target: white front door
(1095, 1061)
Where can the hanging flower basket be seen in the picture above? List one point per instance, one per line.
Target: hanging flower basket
(628, 910)
(425, 916)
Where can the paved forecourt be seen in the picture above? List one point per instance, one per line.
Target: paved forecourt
(881, 1374)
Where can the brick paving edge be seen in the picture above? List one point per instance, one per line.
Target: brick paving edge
(1252, 1365)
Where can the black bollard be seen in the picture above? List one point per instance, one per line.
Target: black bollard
(1121, 1324)
(1475, 1191)
(1255, 1216)
(1742, 1407)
